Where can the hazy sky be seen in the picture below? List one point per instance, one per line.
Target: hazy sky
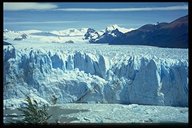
(58, 16)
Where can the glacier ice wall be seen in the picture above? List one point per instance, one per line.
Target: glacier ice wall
(86, 77)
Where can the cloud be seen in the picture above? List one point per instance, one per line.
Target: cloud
(41, 22)
(168, 8)
(17, 6)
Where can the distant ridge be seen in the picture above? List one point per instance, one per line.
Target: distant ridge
(172, 35)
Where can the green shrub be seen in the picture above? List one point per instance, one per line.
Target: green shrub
(33, 113)
(69, 41)
(54, 99)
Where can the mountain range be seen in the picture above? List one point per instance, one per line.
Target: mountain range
(173, 34)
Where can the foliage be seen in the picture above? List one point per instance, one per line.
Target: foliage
(70, 41)
(54, 99)
(33, 113)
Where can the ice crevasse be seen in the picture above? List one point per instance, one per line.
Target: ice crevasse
(85, 77)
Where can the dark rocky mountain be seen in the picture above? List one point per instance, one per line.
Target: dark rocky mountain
(6, 43)
(110, 36)
(91, 34)
(23, 36)
(173, 35)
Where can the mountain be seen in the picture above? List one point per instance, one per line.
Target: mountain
(21, 37)
(58, 36)
(91, 34)
(43, 34)
(70, 32)
(109, 34)
(6, 43)
(121, 29)
(173, 35)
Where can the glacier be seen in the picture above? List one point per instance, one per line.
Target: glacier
(94, 73)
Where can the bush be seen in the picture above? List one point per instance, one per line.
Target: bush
(70, 42)
(54, 99)
(33, 113)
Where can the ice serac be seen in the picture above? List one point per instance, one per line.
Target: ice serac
(175, 81)
(77, 76)
(145, 85)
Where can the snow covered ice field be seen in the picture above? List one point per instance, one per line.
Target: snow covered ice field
(120, 83)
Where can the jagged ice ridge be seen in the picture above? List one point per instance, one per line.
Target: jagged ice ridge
(110, 74)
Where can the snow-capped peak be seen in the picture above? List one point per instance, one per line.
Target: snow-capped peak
(71, 32)
(91, 34)
(112, 27)
(121, 29)
(5, 30)
(30, 31)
